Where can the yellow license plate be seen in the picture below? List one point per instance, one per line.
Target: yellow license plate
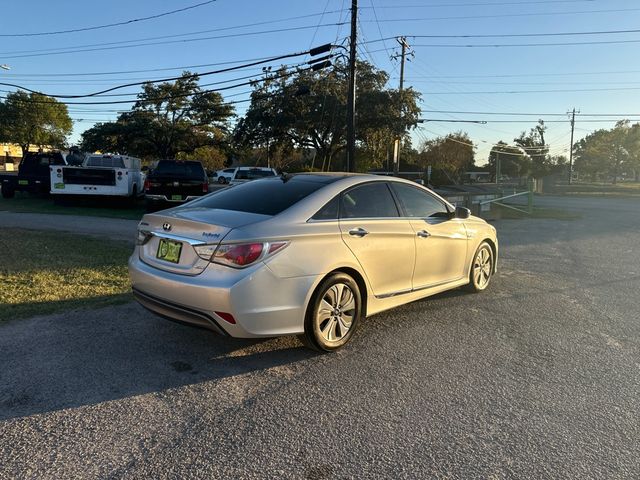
(169, 251)
(23, 182)
(176, 197)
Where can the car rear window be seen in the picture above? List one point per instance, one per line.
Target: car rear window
(266, 197)
(109, 162)
(181, 169)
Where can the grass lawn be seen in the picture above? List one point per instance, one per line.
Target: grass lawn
(500, 212)
(26, 203)
(48, 272)
(597, 189)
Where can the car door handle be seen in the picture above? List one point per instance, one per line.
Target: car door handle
(358, 232)
(423, 234)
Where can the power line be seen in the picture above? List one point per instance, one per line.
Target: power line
(184, 67)
(502, 45)
(479, 121)
(170, 79)
(484, 4)
(163, 98)
(513, 75)
(164, 37)
(188, 40)
(507, 15)
(533, 114)
(109, 25)
(537, 91)
(543, 34)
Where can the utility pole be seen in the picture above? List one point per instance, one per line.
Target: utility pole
(573, 123)
(396, 147)
(351, 94)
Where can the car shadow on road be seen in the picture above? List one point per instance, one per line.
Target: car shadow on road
(92, 356)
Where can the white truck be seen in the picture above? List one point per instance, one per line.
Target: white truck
(104, 175)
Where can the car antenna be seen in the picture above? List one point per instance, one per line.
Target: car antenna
(285, 177)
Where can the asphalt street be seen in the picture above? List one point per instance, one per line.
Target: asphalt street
(538, 377)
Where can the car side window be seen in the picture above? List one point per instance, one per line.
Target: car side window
(418, 203)
(372, 200)
(329, 211)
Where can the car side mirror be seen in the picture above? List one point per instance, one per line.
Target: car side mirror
(462, 213)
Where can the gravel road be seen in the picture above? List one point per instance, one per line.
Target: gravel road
(539, 377)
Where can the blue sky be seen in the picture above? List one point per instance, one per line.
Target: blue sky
(595, 78)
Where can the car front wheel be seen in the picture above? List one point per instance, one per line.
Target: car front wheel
(333, 313)
(481, 268)
(222, 180)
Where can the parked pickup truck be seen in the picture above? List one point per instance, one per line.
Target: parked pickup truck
(174, 182)
(33, 174)
(100, 175)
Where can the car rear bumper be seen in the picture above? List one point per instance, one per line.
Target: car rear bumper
(262, 304)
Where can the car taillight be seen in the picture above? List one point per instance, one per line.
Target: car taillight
(205, 187)
(147, 184)
(239, 255)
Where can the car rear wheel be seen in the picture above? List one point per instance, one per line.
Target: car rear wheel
(481, 268)
(333, 313)
(222, 180)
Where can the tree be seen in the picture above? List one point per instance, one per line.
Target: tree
(307, 109)
(633, 147)
(450, 156)
(513, 161)
(168, 118)
(34, 119)
(609, 152)
(212, 158)
(534, 144)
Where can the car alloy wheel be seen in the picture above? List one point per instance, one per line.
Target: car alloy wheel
(333, 313)
(481, 268)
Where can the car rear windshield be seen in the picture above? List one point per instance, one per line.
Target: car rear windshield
(266, 197)
(180, 169)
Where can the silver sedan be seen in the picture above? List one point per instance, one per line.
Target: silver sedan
(307, 255)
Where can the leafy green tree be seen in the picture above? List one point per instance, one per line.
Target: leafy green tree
(307, 110)
(450, 157)
(609, 153)
(168, 118)
(34, 119)
(514, 162)
(212, 158)
(633, 148)
(534, 144)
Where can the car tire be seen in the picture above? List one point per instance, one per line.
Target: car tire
(222, 180)
(482, 268)
(8, 192)
(333, 313)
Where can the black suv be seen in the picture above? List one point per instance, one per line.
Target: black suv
(174, 182)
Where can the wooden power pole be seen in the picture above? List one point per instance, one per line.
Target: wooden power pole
(351, 94)
(396, 147)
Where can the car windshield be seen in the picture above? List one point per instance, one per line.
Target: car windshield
(266, 197)
(180, 169)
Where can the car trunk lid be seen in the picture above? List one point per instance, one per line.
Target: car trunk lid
(172, 236)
